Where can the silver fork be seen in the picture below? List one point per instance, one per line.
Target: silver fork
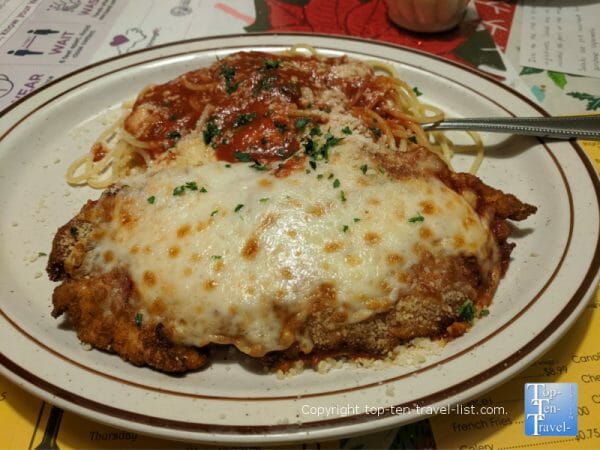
(565, 127)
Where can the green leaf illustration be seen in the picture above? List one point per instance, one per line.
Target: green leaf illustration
(480, 49)
(559, 78)
(529, 70)
(593, 100)
(262, 22)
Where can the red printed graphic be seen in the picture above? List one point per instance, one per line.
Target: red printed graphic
(496, 17)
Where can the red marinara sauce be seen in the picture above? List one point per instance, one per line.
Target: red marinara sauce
(255, 102)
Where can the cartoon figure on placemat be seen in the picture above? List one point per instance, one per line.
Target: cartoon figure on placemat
(64, 5)
(43, 31)
(24, 52)
(133, 39)
(6, 85)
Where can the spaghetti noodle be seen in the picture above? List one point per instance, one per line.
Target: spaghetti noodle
(255, 104)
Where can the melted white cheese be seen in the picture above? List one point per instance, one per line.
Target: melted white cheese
(220, 272)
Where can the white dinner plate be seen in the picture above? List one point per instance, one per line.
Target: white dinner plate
(552, 274)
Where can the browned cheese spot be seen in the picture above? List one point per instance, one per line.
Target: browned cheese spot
(149, 278)
(378, 304)
(373, 201)
(403, 277)
(219, 266)
(127, 218)
(323, 297)
(363, 181)
(158, 307)
(352, 260)
(425, 232)
(201, 226)
(286, 273)
(265, 183)
(459, 241)
(395, 259)
(468, 221)
(233, 309)
(372, 238)
(147, 250)
(385, 287)
(427, 207)
(98, 234)
(316, 210)
(174, 251)
(292, 233)
(332, 247)
(187, 271)
(108, 256)
(195, 257)
(251, 248)
(134, 250)
(209, 285)
(184, 230)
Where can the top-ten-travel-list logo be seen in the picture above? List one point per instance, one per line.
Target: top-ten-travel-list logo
(551, 409)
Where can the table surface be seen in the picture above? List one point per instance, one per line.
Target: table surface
(37, 46)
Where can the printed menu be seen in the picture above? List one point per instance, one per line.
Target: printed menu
(561, 36)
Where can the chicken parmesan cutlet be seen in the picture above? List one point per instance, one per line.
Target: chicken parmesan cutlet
(288, 205)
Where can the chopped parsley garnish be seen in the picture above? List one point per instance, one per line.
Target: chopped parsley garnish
(336, 183)
(301, 123)
(484, 312)
(238, 207)
(313, 164)
(312, 149)
(319, 176)
(228, 165)
(174, 135)
(282, 127)
(346, 130)
(417, 92)
(228, 73)
(74, 232)
(258, 166)
(214, 212)
(466, 311)
(172, 117)
(40, 254)
(265, 84)
(211, 131)
(315, 131)
(190, 186)
(345, 228)
(139, 318)
(330, 176)
(203, 189)
(356, 219)
(413, 139)
(364, 169)
(264, 199)
(243, 157)
(376, 131)
(342, 196)
(151, 200)
(416, 218)
(216, 257)
(244, 119)
(272, 63)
